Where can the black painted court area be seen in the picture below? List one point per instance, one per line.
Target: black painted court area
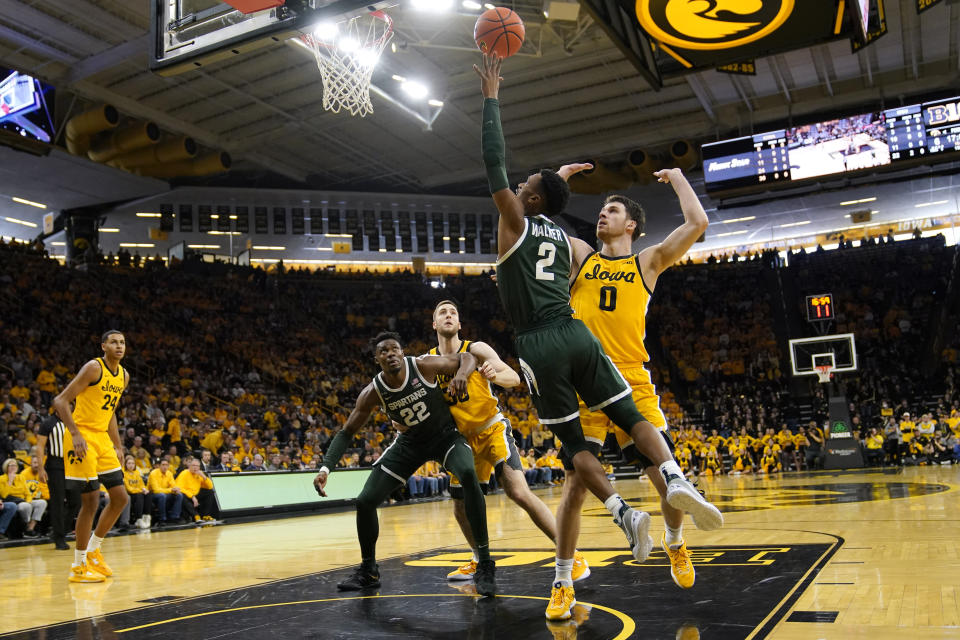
(736, 589)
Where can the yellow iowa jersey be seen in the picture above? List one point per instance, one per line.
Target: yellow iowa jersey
(479, 409)
(96, 404)
(611, 298)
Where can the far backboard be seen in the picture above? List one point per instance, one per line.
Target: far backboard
(188, 34)
(838, 349)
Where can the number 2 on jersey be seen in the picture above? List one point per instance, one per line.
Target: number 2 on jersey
(548, 253)
(414, 415)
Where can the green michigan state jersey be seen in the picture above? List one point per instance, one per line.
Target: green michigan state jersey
(419, 405)
(533, 275)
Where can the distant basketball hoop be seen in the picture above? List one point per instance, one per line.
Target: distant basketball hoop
(824, 372)
(346, 55)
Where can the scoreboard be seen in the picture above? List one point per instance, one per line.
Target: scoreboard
(820, 307)
(870, 140)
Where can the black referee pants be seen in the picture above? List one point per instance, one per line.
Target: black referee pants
(64, 503)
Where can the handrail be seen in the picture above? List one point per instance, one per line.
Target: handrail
(236, 409)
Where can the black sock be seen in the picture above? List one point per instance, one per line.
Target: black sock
(370, 566)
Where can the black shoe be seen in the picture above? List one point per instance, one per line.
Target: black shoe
(61, 545)
(485, 578)
(361, 579)
(30, 534)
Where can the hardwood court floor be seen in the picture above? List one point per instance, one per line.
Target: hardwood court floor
(831, 555)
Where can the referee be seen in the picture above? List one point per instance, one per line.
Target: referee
(63, 504)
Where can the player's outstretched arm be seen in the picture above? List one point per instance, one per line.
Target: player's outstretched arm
(492, 367)
(656, 259)
(457, 365)
(367, 402)
(494, 148)
(88, 374)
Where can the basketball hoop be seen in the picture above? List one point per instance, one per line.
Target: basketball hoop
(824, 372)
(346, 55)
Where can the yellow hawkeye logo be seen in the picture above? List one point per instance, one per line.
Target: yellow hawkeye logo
(712, 24)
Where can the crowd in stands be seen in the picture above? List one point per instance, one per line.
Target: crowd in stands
(235, 369)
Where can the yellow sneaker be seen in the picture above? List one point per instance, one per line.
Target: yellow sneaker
(681, 568)
(83, 573)
(464, 572)
(562, 600)
(97, 563)
(581, 570)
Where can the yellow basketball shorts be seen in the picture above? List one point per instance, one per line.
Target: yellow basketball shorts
(596, 424)
(101, 457)
(491, 447)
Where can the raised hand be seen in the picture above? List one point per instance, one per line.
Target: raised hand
(489, 72)
(668, 175)
(568, 170)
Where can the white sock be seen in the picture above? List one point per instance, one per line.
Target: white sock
(616, 506)
(94, 543)
(669, 469)
(79, 557)
(564, 567)
(476, 557)
(674, 537)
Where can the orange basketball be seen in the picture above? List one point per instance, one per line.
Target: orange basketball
(499, 30)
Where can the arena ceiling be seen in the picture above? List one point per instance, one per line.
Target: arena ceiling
(570, 94)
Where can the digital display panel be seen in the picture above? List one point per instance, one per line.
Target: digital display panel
(820, 307)
(834, 147)
(23, 106)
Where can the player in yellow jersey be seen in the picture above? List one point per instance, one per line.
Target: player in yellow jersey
(488, 432)
(94, 450)
(610, 292)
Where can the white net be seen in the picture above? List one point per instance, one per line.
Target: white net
(346, 56)
(824, 372)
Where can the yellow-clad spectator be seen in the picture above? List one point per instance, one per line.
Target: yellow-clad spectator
(32, 475)
(874, 445)
(143, 461)
(907, 427)
(212, 440)
(742, 462)
(166, 494)
(770, 463)
(47, 383)
(13, 488)
(197, 490)
(138, 493)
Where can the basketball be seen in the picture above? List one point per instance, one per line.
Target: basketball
(499, 30)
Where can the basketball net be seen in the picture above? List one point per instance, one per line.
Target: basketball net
(346, 57)
(824, 371)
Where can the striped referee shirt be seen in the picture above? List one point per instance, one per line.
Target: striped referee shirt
(53, 429)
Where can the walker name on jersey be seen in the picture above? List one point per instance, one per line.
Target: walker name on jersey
(541, 230)
(603, 274)
(407, 399)
(111, 388)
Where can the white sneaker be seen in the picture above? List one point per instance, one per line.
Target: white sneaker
(682, 495)
(636, 525)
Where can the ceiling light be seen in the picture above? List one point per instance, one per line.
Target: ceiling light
(326, 31)
(367, 57)
(399, 78)
(30, 202)
(489, 5)
(860, 201)
(348, 44)
(215, 216)
(59, 244)
(224, 233)
(744, 219)
(415, 89)
(203, 246)
(795, 224)
(147, 215)
(731, 233)
(435, 103)
(268, 248)
(25, 223)
(930, 204)
(137, 244)
(109, 230)
(233, 217)
(382, 250)
(470, 4)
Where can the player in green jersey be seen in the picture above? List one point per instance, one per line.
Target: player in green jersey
(406, 389)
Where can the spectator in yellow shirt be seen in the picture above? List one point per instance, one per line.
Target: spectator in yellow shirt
(166, 494)
(197, 490)
(46, 382)
(138, 493)
(874, 446)
(13, 488)
(32, 475)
